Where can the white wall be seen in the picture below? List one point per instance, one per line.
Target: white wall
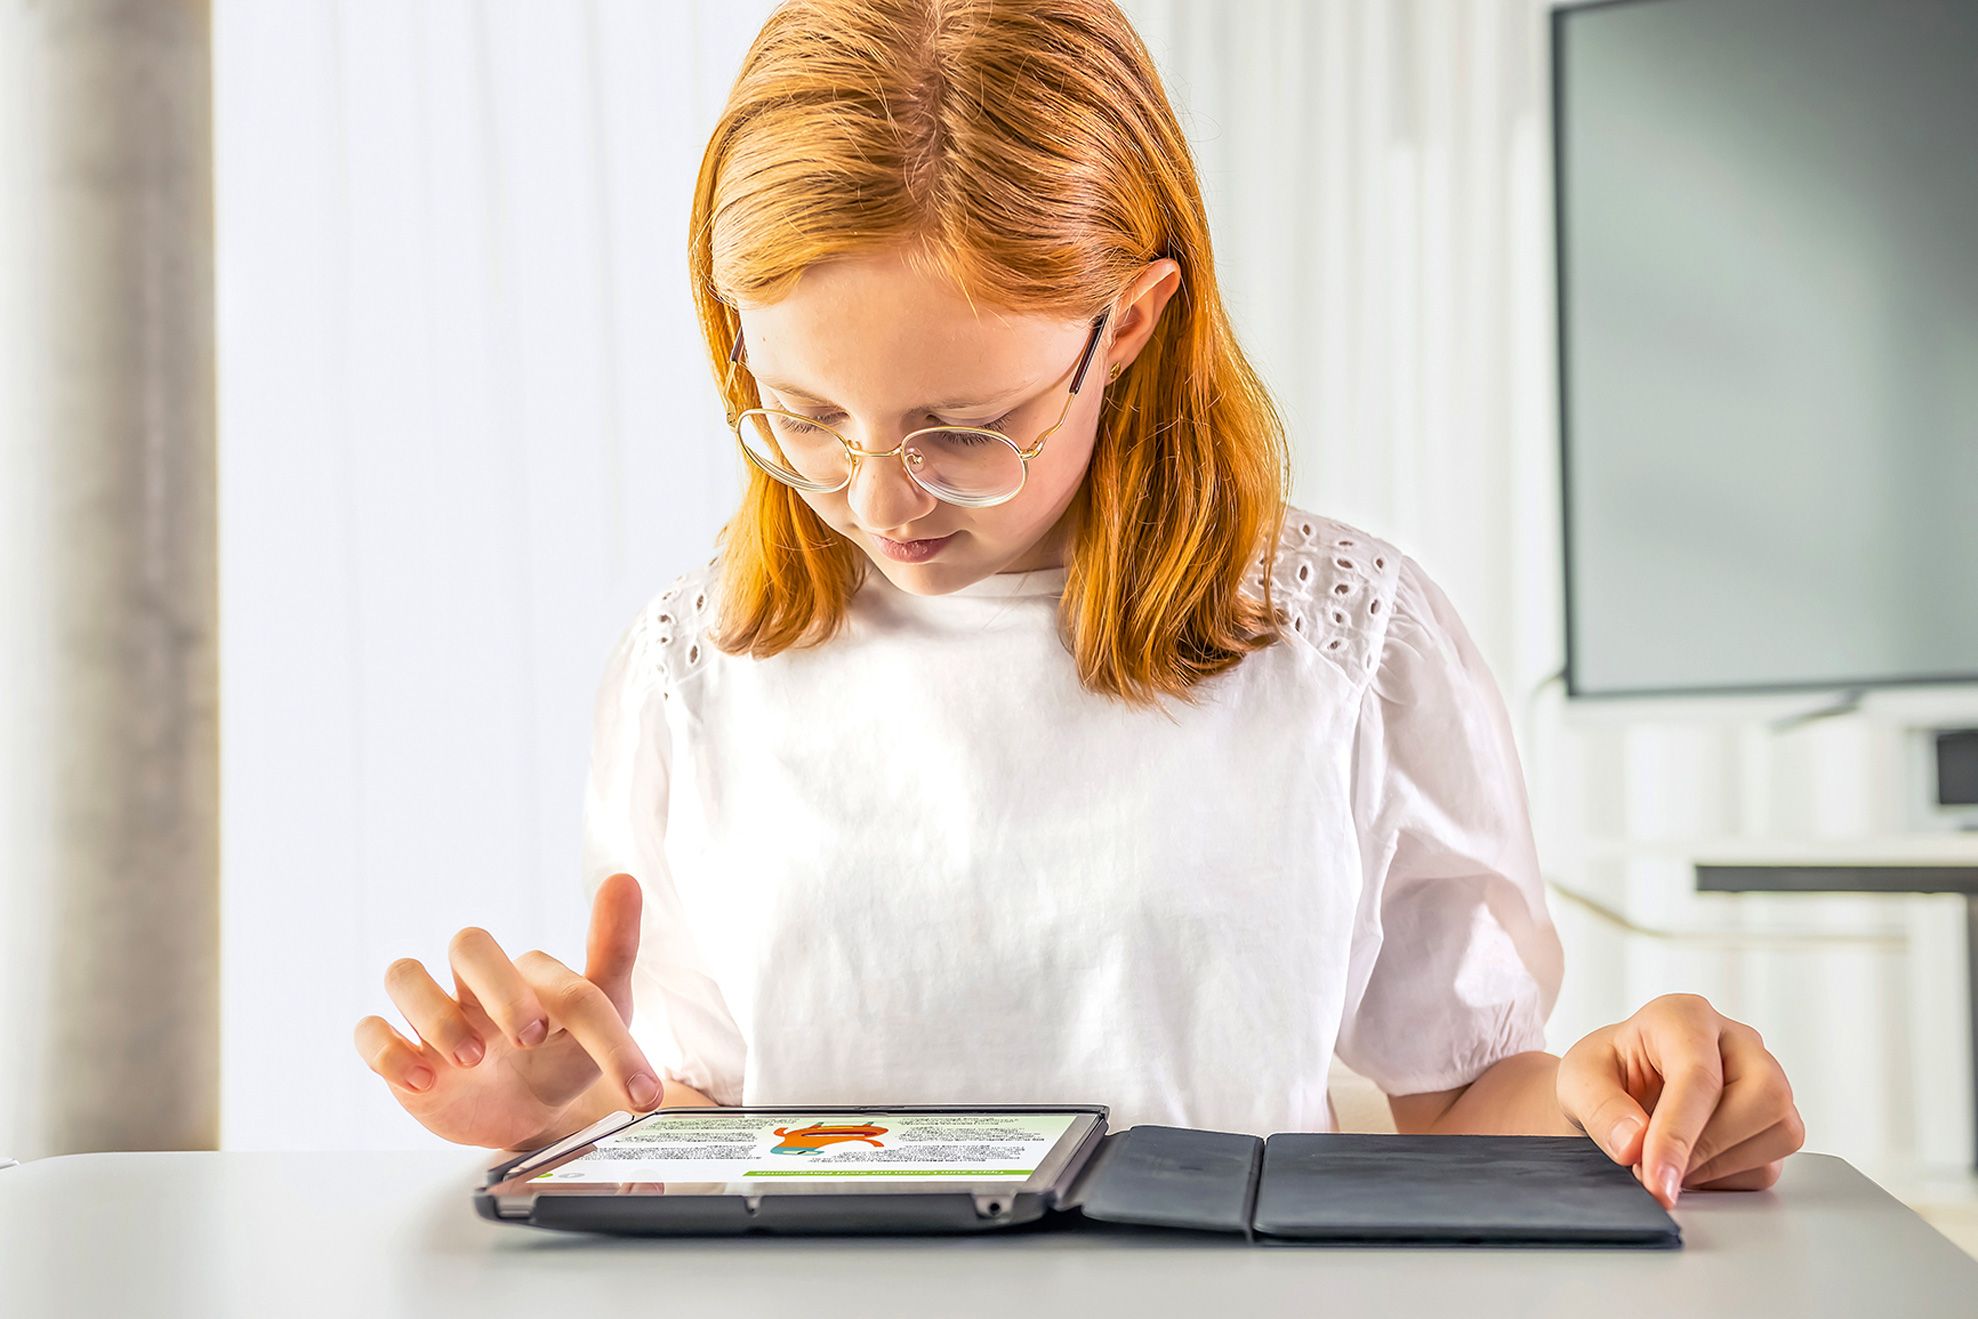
(466, 429)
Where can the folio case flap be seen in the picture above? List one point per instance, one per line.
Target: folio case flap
(1171, 1177)
(1494, 1190)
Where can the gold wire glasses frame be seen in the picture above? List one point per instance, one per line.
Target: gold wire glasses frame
(972, 466)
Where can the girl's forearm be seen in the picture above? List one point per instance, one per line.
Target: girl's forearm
(1515, 1096)
(678, 1094)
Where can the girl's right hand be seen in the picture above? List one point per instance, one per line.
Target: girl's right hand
(503, 1061)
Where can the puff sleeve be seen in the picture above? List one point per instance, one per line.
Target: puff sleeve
(679, 1016)
(1455, 961)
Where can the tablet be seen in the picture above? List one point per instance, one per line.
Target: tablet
(834, 1168)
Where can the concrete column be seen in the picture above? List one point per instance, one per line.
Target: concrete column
(109, 786)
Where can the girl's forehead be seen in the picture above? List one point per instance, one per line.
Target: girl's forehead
(875, 333)
(875, 294)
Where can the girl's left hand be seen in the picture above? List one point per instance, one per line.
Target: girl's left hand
(1685, 1095)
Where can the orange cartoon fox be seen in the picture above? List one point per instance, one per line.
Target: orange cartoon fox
(817, 1137)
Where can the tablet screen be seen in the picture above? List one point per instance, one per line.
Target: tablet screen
(794, 1149)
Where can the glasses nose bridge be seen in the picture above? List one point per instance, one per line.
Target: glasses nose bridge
(855, 453)
(858, 453)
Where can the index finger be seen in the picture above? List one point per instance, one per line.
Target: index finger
(613, 945)
(1692, 1071)
(587, 1012)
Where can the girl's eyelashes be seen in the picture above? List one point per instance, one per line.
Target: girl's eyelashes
(1000, 423)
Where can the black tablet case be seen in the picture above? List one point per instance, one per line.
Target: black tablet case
(1293, 1188)
(1345, 1188)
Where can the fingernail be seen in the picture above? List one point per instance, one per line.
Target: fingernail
(643, 1089)
(1672, 1184)
(419, 1078)
(1617, 1140)
(469, 1053)
(534, 1033)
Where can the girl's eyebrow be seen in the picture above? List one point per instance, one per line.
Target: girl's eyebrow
(955, 406)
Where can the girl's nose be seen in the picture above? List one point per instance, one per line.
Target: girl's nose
(882, 496)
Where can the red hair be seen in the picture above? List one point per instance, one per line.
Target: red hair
(1029, 149)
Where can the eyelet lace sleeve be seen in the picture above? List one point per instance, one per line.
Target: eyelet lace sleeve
(669, 637)
(1334, 584)
(1455, 961)
(678, 1014)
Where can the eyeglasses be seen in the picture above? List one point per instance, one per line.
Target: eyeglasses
(973, 466)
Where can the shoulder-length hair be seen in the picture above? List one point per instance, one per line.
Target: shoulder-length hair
(1026, 148)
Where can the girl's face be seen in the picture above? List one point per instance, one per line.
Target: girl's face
(874, 349)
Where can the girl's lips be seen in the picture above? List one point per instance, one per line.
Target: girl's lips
(913, 551)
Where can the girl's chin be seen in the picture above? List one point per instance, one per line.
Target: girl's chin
(935, 576)
(931, 578)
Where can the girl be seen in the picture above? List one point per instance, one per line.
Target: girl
(1020, 744)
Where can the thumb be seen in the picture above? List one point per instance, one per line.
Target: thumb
(614, 939)
(1596, 1100)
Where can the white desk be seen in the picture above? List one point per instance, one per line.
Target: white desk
(382, 1234)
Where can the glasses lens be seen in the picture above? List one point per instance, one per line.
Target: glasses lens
(965, 466)
(794, 450)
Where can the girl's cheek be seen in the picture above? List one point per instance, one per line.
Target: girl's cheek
(830, 509)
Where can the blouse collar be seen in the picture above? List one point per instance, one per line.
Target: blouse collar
(1037, 581)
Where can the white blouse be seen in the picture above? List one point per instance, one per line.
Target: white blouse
(921, 864)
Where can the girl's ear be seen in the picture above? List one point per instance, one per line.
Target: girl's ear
(1140, 309)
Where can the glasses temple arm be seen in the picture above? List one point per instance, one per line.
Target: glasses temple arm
(728, 385)
(1091, 345)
